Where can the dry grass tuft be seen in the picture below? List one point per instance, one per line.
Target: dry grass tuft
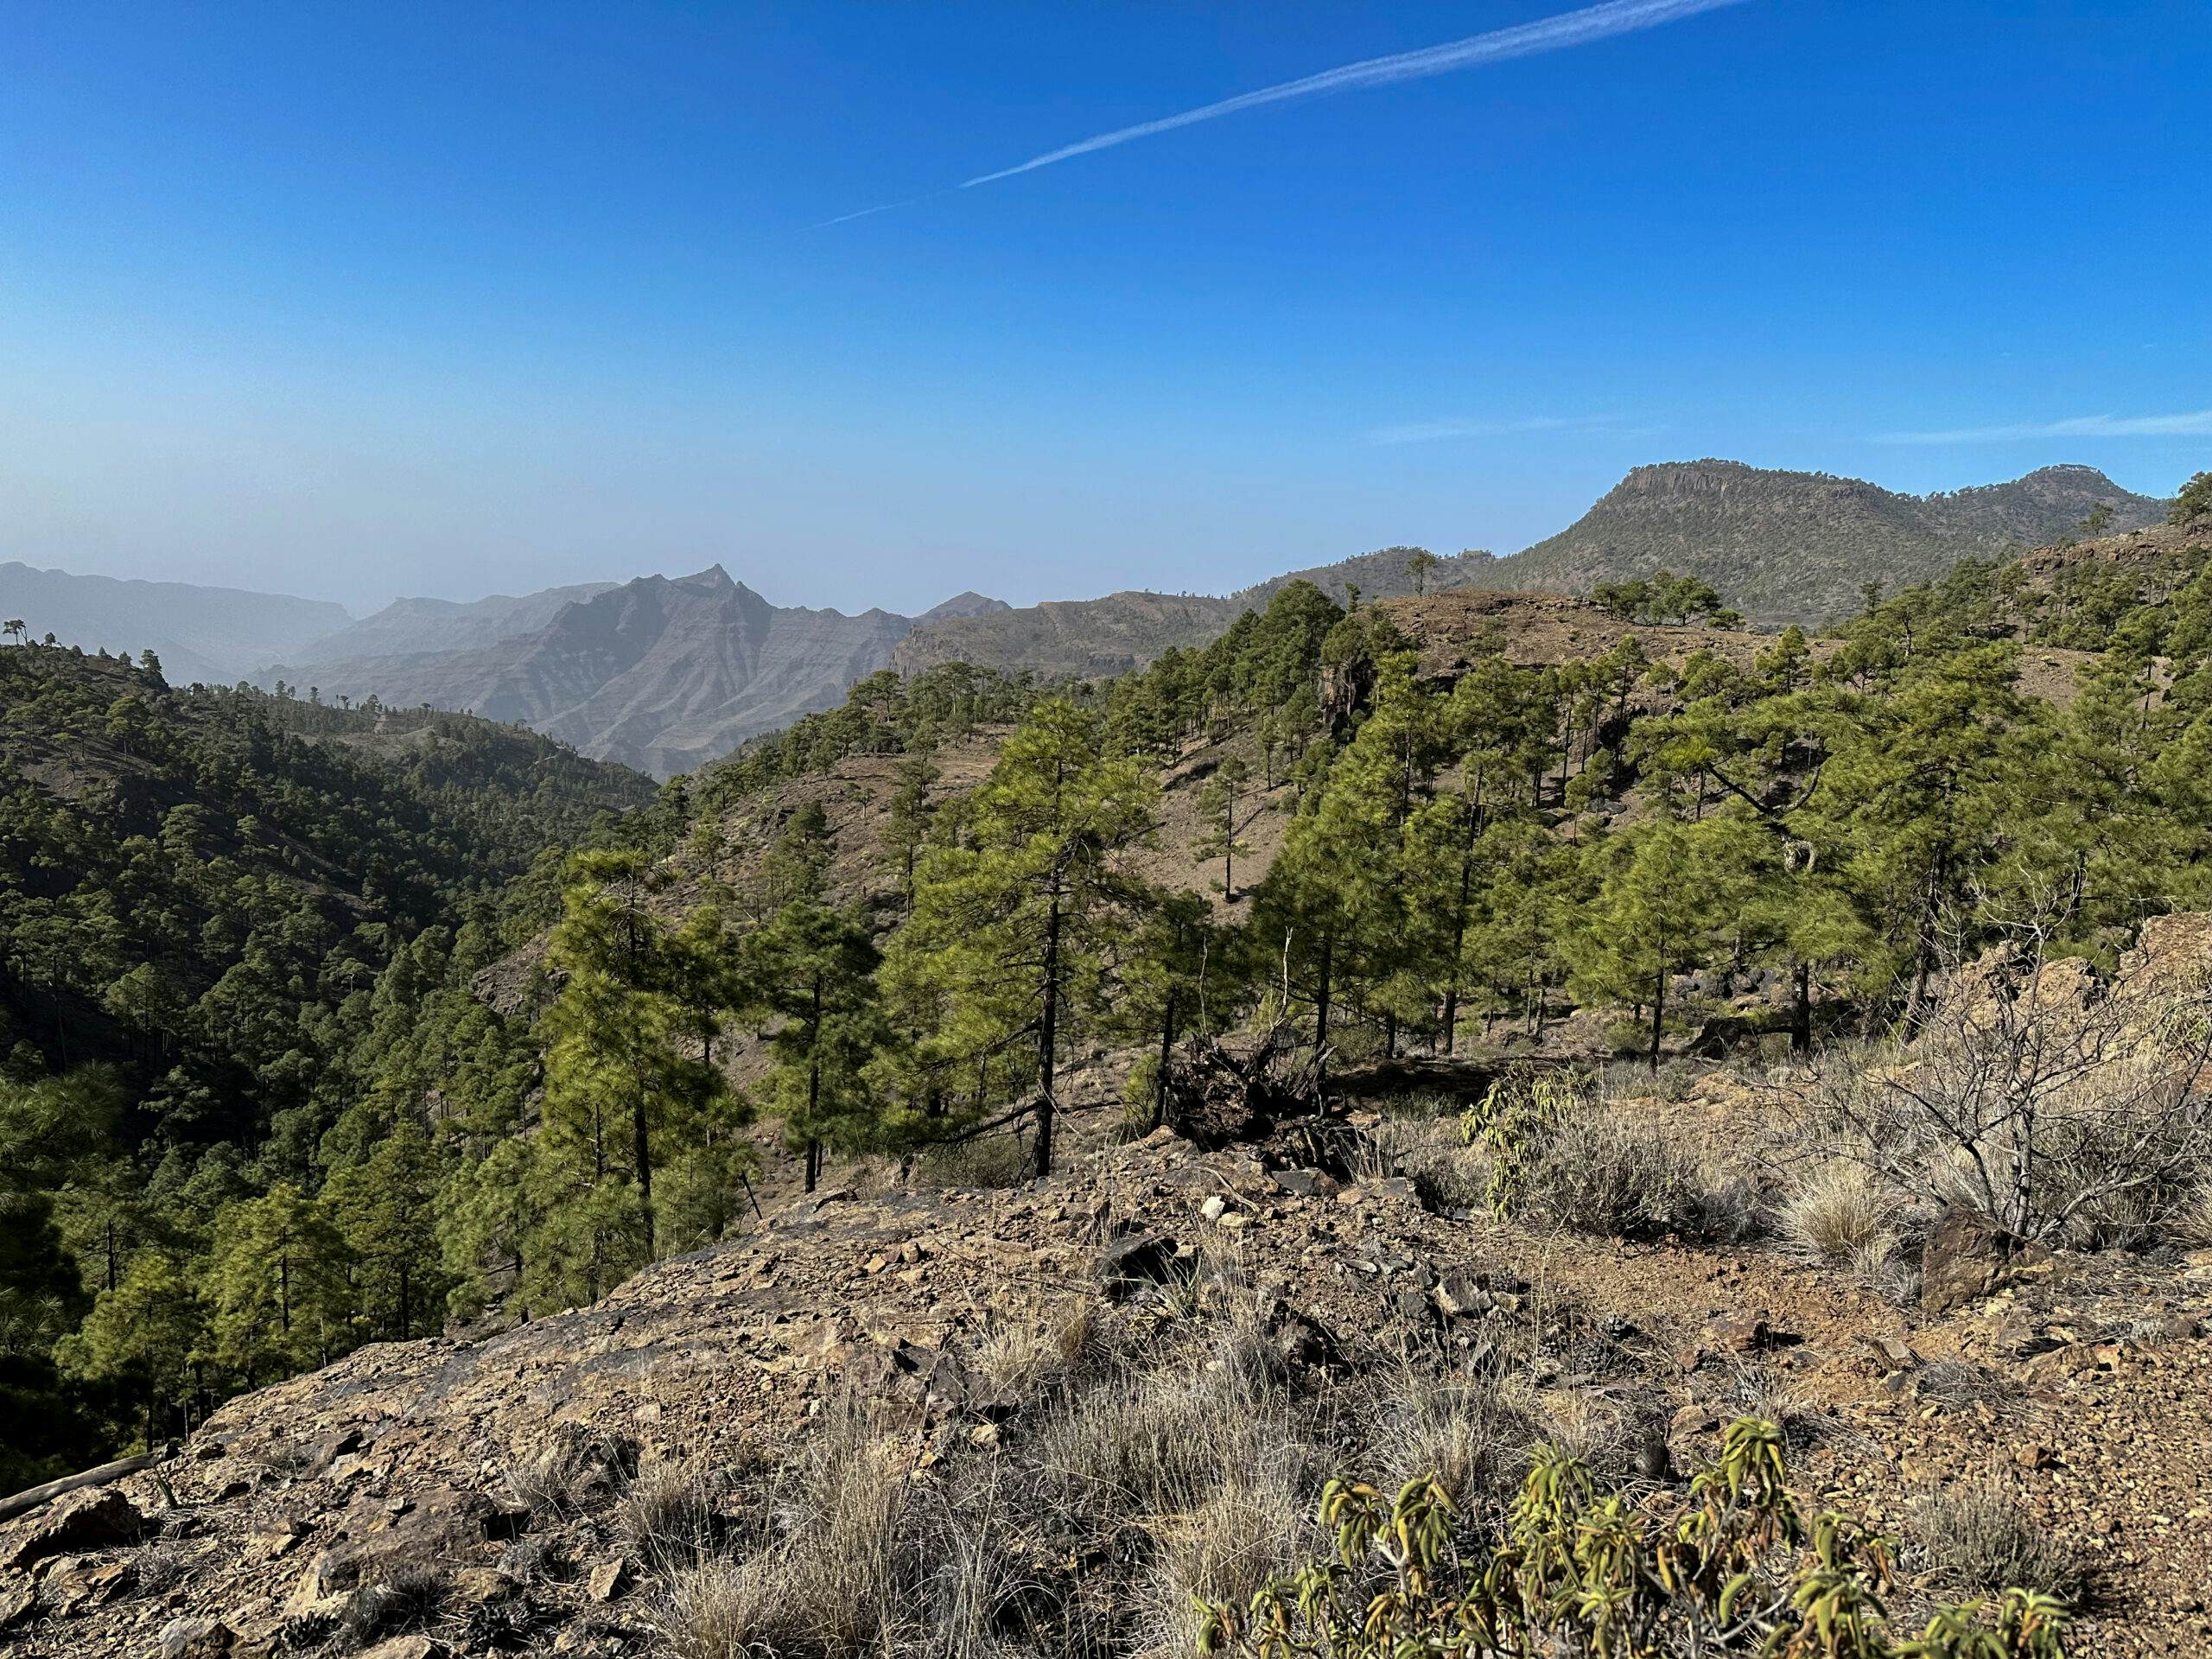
(1462, 1434)
(1974, 1538)
(2191, 1222)
(1837, 1210)
(666, 1519)
(727, 1609)
(1254, 1528)
(578, 1470)
(1029, 1362)
(406, 1597)
(1599, 1170)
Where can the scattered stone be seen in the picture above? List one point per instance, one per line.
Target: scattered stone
(1214, 1208)
(607, 1579)
(415, 1646)
(1740, 1333)
(195, 1638)
(1460, 1294)
(480, 1587)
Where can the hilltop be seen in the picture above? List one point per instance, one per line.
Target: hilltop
(1801, 547)
(952, 1416)
(1784, 547)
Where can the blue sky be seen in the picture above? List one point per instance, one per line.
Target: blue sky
(361, 301)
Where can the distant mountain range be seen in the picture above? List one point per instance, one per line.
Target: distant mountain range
(662, 673)
(421, 627)
(665, 673)
(1783, 547)
(214, 635)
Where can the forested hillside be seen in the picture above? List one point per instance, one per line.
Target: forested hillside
(222, 914)
(237, 959)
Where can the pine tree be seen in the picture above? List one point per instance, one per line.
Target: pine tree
(1012, 928)
(1223, 819)
(907, 823)
(620, 1076)
(146, 1334)
(277, 1286)
(1665, 897)
(385, 1208)
(813, 968)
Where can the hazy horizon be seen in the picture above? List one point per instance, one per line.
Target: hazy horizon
(871, 305)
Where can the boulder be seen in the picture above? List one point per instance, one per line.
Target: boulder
(80, 1520)
(1138, 1259)
(1961, 1262)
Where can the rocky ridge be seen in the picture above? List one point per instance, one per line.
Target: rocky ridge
(2081, 1384)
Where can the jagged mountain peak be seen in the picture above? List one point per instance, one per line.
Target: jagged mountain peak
(966, 603)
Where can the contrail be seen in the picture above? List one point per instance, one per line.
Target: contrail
(1546, 34)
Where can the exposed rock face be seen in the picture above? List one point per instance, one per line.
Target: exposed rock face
(79, 1521)
(487, 1480)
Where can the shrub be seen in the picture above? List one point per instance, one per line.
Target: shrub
(1731, 1566)
(1974, 1538)
(2055, 1105)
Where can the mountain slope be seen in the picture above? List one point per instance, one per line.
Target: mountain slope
(214, 635)
(1788, 547)
(660, 674)
(1085, 639)
(420, 627)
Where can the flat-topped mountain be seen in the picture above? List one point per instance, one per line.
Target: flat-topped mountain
(1800, 547)
(1783, 547)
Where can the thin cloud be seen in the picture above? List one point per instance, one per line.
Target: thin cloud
(1438, 431)
(2188, 424)
(1525, 40)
